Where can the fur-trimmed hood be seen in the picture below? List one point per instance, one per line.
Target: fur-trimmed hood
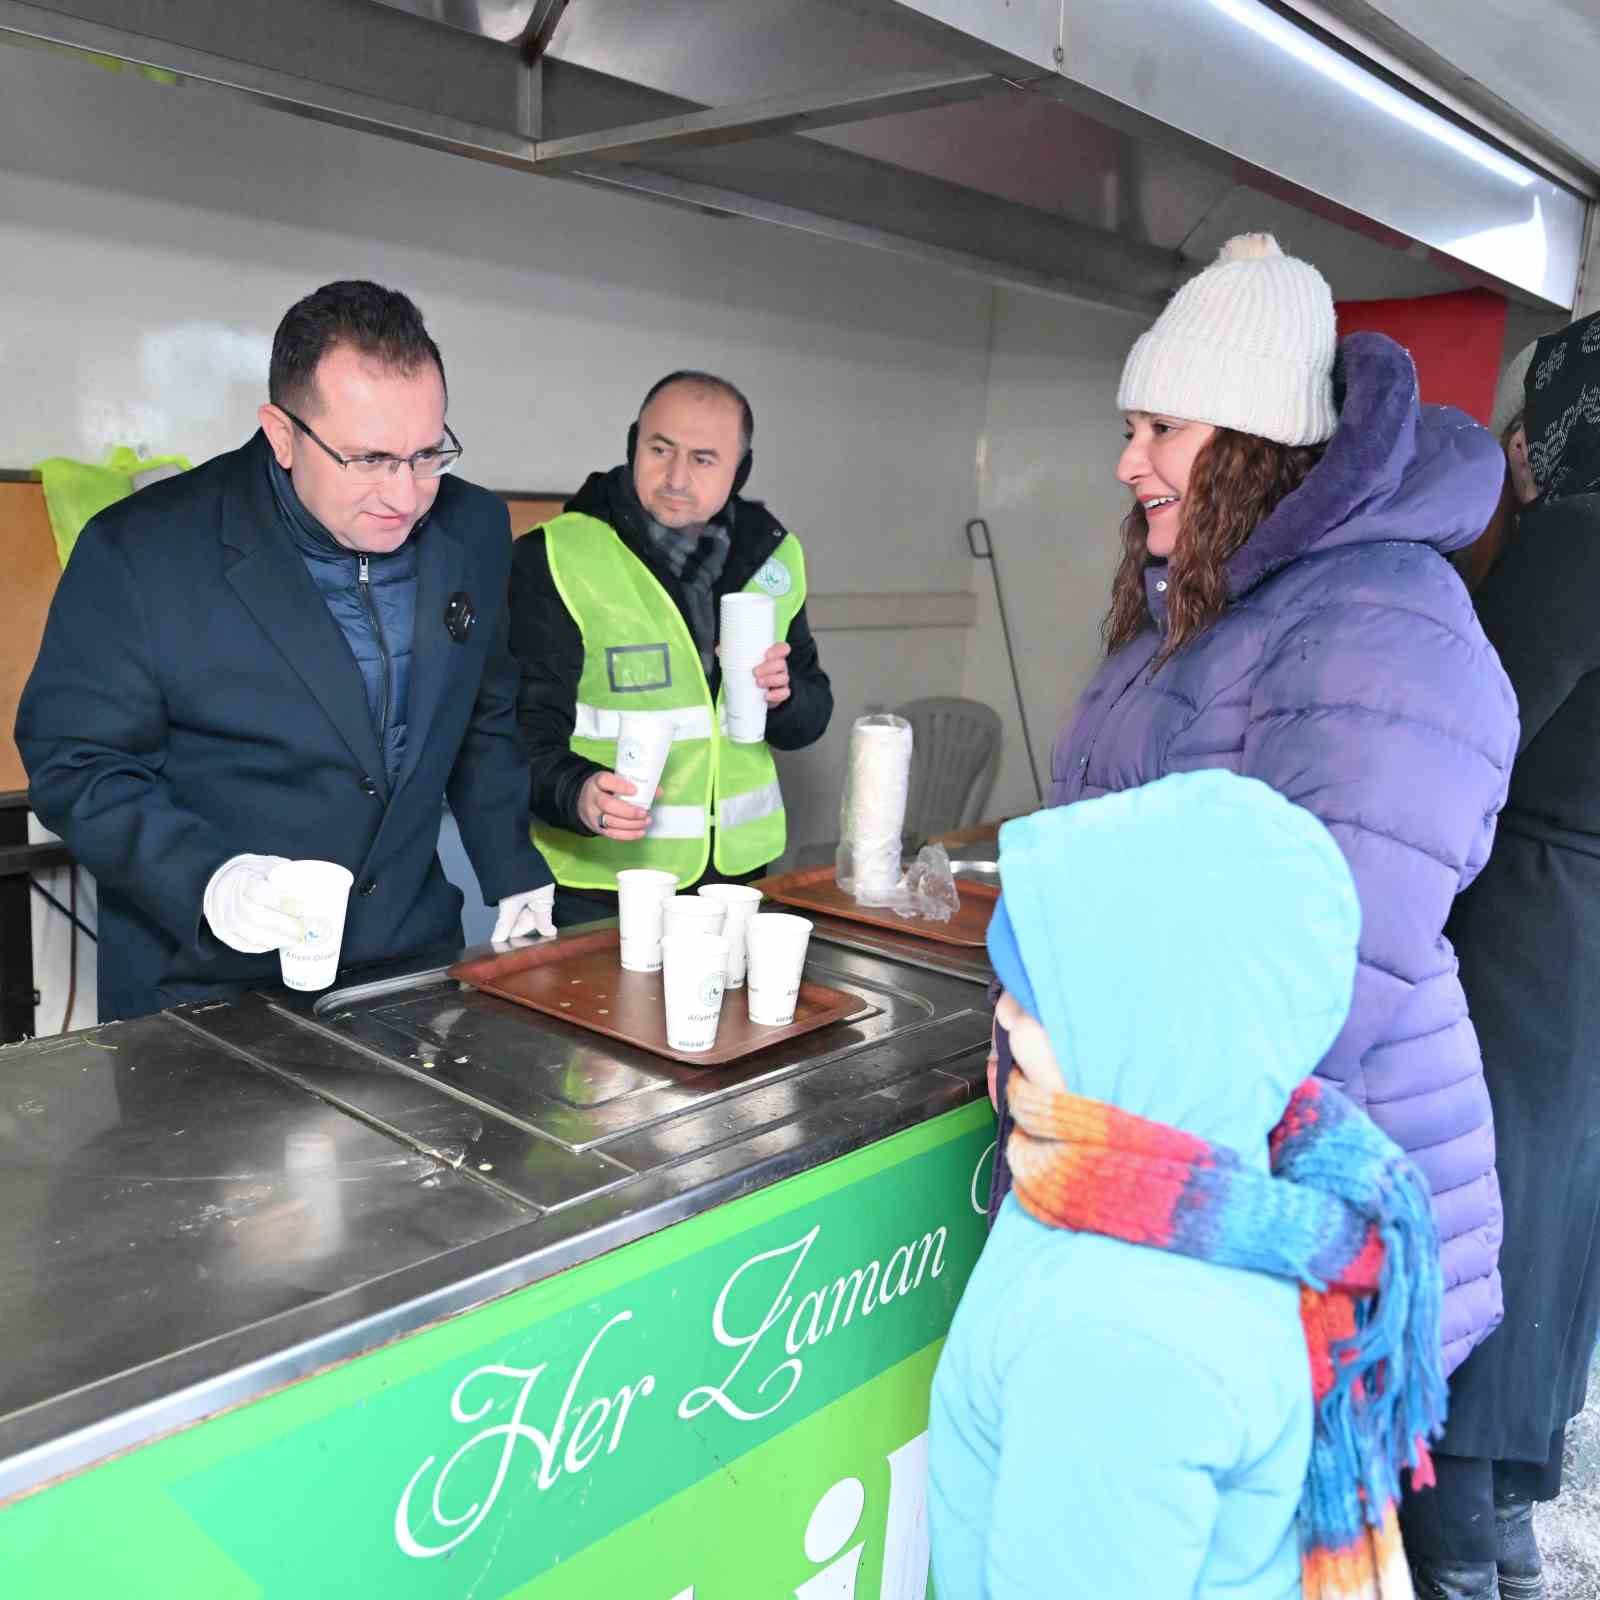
(1394, 470)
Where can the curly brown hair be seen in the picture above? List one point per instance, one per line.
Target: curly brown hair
(1237, 479)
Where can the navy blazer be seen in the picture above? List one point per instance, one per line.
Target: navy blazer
(194, 698)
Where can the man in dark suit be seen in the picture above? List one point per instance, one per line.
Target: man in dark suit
(294, 651)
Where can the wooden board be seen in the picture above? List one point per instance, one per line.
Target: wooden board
(579, 979)
(528, 513)
(816, 889)
(28, 575)
(29, 572)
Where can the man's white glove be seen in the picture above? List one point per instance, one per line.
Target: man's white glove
(532, 911)
(245, 911)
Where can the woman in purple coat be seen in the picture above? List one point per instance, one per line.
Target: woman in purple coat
(1284, 609)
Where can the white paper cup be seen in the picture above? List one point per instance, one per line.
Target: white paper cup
(643, 741)
(777, 958)
(317, 892)
(689, 913)
(695, 968)
(740, 901)
(641, 892)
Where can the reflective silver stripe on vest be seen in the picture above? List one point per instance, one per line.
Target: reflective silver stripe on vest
(596, 722)
(751, 806)
(676, 822)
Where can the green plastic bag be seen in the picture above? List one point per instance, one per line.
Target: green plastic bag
(74, 491)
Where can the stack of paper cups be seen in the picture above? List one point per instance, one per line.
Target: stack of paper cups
(748, 631)
(877, 782)
(643, 740)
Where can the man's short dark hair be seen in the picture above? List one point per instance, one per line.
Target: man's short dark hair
(381, 324)
(709, 380)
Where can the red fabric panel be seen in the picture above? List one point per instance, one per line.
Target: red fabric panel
(1455, 339)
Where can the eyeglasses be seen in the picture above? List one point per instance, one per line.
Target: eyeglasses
(424, 464)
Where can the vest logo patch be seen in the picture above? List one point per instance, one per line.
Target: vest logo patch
(636, 668)
(773, 578)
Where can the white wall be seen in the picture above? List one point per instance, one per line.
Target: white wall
(151, 237)
(1046, 488)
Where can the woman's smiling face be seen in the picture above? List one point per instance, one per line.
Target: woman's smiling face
(1155, 465)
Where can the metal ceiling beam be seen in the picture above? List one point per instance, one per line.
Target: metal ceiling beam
(525, 23)
(330, 60)
(1085, 264)
(823, 189)
(542, 24)
(304, 46)
(769, 118)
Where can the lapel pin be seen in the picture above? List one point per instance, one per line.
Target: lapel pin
(459, 616)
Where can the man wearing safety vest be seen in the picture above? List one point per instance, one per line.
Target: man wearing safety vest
(615, 607)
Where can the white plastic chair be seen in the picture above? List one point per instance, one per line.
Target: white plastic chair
(955, 758)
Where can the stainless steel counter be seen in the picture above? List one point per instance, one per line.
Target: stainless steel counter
(199, 1207)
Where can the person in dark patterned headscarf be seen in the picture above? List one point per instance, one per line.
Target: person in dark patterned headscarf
(1528, 937)
(1562, 417)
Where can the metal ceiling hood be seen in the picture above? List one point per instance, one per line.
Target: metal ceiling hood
(1545, 93)
(1240, 79)
(1038, 142)
(669, 151)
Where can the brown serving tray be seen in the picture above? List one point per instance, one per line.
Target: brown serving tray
(580, 979)
(817, 889)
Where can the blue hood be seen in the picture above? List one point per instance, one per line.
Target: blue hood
(1190, 948)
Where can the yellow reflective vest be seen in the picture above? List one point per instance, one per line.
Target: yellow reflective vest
(638, 656)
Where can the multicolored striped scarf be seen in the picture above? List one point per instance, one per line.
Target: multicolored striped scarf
(1344, 1214)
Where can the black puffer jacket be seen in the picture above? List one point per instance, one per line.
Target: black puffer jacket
(549, 647)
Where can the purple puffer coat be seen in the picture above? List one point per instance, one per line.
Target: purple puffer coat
(1349, 672)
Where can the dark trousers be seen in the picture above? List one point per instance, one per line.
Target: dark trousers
(1455, 1520)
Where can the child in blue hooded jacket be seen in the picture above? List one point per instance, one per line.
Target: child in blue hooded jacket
(1203, 1337)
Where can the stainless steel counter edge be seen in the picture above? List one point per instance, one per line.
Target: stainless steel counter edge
(71, 1432)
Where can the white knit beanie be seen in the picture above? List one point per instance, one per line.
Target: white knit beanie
(1248, 344)
(1510, 395)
